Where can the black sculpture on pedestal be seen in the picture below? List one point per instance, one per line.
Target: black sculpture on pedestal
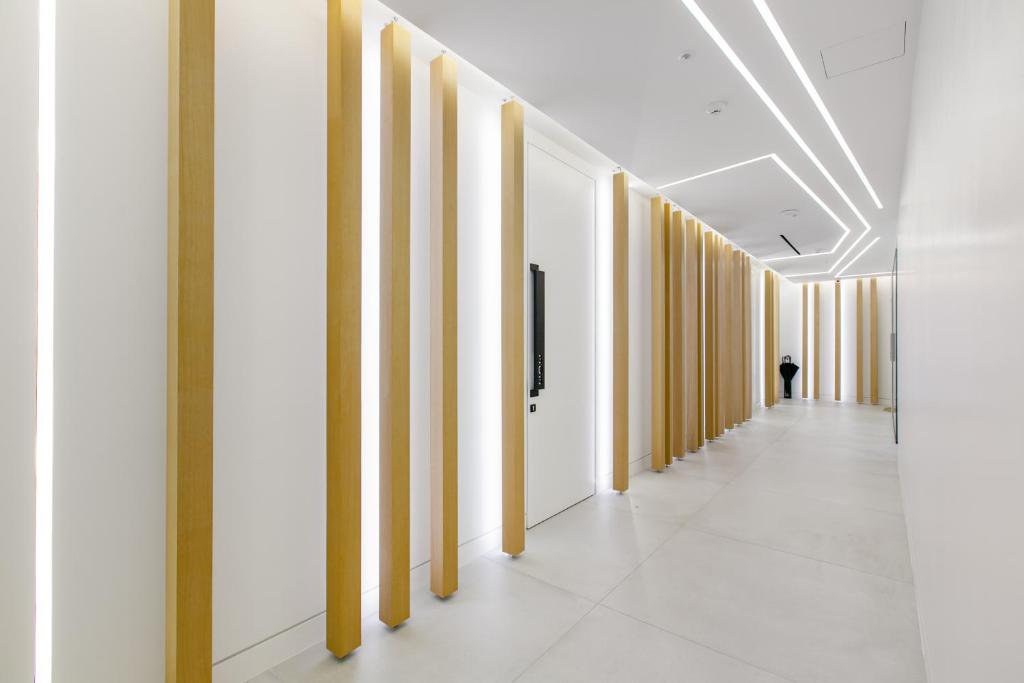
(788, 370)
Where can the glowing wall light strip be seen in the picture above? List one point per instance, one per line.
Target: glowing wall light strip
(44, 346)
(787, 50)
(854, 259)
(727, 50)
(796, 179)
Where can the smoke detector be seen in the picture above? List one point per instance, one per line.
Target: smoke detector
(716, 107)
(790, 213)
(685, 55)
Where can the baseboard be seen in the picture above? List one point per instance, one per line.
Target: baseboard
(253, 661)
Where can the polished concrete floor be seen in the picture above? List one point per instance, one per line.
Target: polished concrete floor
(777, 553)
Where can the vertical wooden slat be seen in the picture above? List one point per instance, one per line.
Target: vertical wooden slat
(729, 332)
(748, 382)
(513, 370)
(803, 343)
(344, 324)
(767, 339)
(444, 328)
(659, 369)
(737, 337)
(190, 226)
(701, 363)
(817, 341)
(873, 341)
(692, 297)
(709, 335)
(720, 358)
(395, 180)
(776, 379)
(666, 226)
(838, 359)
(678, 404)
(620, 332)
(860, 341)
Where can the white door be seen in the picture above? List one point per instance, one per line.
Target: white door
(560, 458)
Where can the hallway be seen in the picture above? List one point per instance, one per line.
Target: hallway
(774, 554)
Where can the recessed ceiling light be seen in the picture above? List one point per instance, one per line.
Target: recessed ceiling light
(716, 107)
(798, 68)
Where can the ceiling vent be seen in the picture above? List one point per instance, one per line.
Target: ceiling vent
(874, 48)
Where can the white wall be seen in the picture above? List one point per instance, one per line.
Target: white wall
(790, 330)
(110, 348)
(960, 241)
(639, 326)
(19, 49)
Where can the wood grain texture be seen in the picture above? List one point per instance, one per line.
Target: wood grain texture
(728, 333)
(860, 341)
(737, 339)
(691, 260)
(838, 358)
(395, 182)
(748, 380)
(677, 412)
(776, 329)
(803, 341)
(817, 341)
(666, 226)
(659, 369)
(444, 328)
(620, 332)
(873, 341)
(699, 255)
(710, 428)
(344, 325)
(513, 361)
(768, 341)
(190, 279)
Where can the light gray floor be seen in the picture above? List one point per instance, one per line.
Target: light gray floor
(777, 553)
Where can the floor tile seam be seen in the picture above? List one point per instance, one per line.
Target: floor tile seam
(518, 572)
(766, 546)
(697, 643)
(554, 643)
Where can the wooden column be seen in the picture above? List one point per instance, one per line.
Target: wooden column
(737, 338)
(513, 370)
(776, 379)
(803, 342)
(666, 227)
(394, 324)
(720, 358)
(873, 341)
(693, 311)
(444, 328)
(344, 324)
(748, 382)
(709, 300)
(769, 336)
(677, 413)
(620, 332)
(817, 340)
(190, 225)
(699, 255)
(860, 341)
(838, 360)
(659, 367)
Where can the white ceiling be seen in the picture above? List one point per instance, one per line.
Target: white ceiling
(609, 71)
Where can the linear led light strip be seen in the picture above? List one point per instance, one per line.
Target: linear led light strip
(44, 345)
(787, 50)
(727, 50)
(846, 267)
(781, 164)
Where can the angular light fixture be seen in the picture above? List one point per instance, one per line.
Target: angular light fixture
(787, 49)
(756, 86)
(854, 259)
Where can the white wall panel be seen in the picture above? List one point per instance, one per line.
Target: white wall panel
(19, 49)
(960, 327)
(110, 343)
(639, 326)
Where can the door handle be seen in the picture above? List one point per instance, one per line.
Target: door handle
(537, 280)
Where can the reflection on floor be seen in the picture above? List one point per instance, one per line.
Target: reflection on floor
(777, 553)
